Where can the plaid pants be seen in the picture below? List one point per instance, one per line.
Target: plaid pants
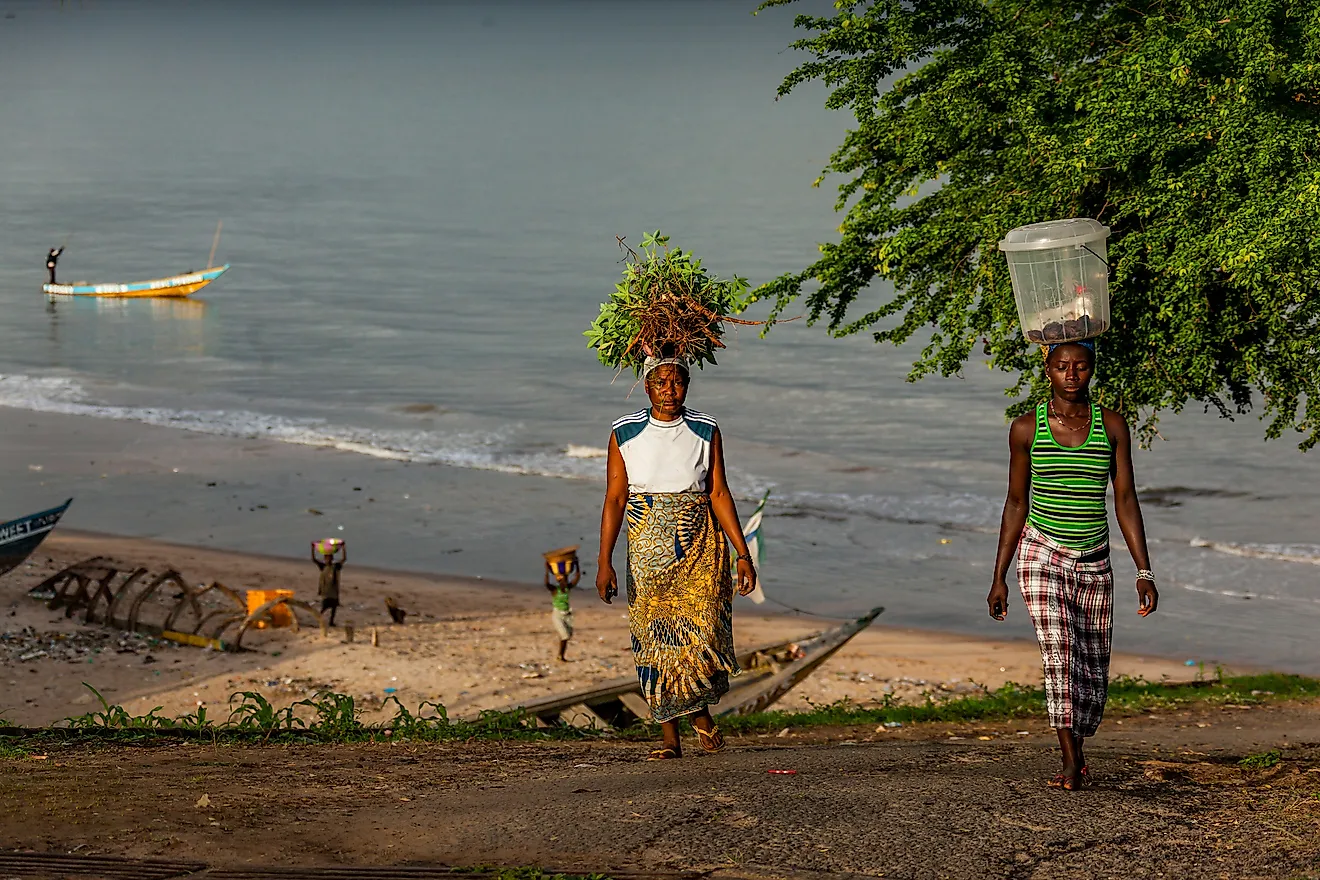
(1070, 597)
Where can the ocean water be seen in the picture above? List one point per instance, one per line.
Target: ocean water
(420, 203)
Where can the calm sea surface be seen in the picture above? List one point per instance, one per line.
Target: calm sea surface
(420, 204)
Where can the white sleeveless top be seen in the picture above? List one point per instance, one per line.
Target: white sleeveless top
(664, 457)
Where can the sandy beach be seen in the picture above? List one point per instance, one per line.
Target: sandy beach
(468, 643)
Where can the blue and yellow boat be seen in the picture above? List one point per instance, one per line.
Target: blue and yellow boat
(176, 285)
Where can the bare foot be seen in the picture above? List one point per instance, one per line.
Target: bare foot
(1068, 780)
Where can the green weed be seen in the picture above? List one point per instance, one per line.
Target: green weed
(530, 874)
(325, 717)
(117, 717)
(10, 751)
(336, 716)
(1126, 696)
(332, 717)
(1262, 760)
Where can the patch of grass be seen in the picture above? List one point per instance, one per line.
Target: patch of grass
(326, 717)
(332, 717)
(11, 751)
(1126, 696)
(1261, 760)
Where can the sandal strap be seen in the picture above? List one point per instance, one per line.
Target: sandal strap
(711, 741)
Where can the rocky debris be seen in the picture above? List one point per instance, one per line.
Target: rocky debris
(905, 688)
(296, 687)
(27, 645)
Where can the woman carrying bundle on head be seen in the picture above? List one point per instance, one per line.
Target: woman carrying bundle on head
(666, 475)
(1063, 456)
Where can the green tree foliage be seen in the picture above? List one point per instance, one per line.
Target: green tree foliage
(1190, 127)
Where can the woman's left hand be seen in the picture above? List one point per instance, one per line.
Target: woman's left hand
(1147, 596)
(746, 577)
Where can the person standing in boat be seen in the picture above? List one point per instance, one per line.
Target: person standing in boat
(666, 476)
(52, 258)
(1063, 456)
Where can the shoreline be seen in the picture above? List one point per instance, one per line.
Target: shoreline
(468, 643)
(260, 495)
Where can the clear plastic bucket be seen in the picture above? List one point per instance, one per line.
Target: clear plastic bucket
(1060, 279)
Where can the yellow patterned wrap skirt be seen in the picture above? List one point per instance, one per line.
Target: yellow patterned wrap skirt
(680, 602)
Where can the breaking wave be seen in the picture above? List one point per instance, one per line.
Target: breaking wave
(491, 450)
(1246, 594)
(961, 511)
(1305, 553)
(487, 450)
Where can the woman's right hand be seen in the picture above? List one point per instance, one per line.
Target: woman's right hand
(607, 582)
(998, 600)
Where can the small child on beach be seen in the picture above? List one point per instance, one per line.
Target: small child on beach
(328, 589)
(561, 575)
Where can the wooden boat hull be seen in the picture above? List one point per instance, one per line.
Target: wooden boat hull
(769, 672)
(19, 537)
(176, 285)
(757, 693)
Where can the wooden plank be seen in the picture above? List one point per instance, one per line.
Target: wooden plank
(770, 688)
(582, 715)
(614, 688)
(634, 703)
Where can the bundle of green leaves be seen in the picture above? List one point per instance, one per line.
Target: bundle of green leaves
(667, 305)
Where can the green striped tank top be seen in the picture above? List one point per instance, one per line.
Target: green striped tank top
(1068, 484)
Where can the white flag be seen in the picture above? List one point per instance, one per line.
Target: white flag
(752, 534)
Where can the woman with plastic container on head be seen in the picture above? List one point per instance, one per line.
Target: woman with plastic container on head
(1062, 458)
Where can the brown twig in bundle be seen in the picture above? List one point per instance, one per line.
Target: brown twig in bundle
(665, 305)
(673, 322)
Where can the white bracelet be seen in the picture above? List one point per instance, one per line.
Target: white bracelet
(1146, 574)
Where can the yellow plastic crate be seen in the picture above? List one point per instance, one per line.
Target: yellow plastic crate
(280, 615)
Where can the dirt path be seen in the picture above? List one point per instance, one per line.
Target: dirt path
(936, 801)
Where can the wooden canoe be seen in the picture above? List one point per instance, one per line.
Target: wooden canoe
(768, 673)
(177, 285)
(19, 537)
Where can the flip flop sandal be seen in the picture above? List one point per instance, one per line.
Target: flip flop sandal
(711, 740)
(663, 754)
(1055, 781)
(1085, 775)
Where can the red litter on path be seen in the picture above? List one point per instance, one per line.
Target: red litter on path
(783, 772)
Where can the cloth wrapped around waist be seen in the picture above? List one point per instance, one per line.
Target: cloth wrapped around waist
(680, 602)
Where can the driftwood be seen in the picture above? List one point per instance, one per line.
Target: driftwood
(197, 616)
